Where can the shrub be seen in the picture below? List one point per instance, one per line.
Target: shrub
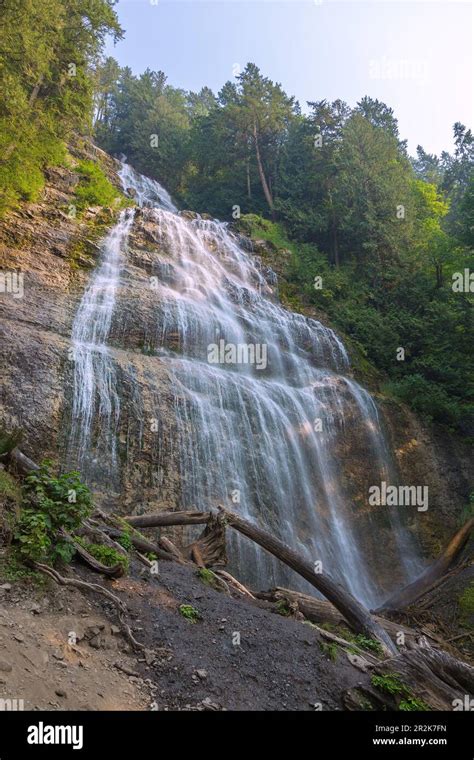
(51, 504)
(94, 189)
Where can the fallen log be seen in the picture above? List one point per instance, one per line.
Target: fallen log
(431, 576)
(21, 463)
(114, 571)
(321, 612)
(168, 518)
(143, 545)
(434, 676)
(235, 583)
(357, 616)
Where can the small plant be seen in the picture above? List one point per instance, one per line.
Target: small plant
(413, 705)
(51, 505)
(107, 555)
(208, 577)
(330, 649)
(391, 684)
(282, 607)
(9, 488)
(9, 439)
(125, 541)
(366, 643)
(466, 603)
(190, 613)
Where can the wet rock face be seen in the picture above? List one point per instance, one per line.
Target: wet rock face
(55, 255)
(38, 242)
(427, 455)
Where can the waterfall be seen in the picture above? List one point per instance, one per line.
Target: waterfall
(268, 420)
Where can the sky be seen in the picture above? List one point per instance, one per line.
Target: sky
(415, 55)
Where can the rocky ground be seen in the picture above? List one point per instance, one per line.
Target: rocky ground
(238, 655)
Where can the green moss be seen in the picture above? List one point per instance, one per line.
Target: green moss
(12, 569)
(330, 649)
(9, 439)
(9, 488)
(107, 555)
(466, 603)
(190, 613)
(125, 540)
(282, 607)
(209, 578)
(413, 705)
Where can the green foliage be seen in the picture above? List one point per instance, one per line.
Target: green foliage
(209, 578)
(125, 541)
(9, 488)
(9, 439)
(391, 684)
(13, 569)
(51, 504)
(190, 613)
(107, 555)
(282, 608)
(366, 643)
(412, 704)
(330, 649)
(466, 603)
(44, 95)
(94, 189)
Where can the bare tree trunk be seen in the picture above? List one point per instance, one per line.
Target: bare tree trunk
(263, 179)
(432, 574)
(21, 463)
(168, 518)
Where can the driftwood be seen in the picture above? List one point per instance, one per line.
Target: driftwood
(429, 679)
(210, 548)
(357, 616)
(432, 575)
(235, 583)
(168, 518)
(21, 463)
(116, 571)
(320, 612)
(143, 545)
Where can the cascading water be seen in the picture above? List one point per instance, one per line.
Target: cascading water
(267, 419)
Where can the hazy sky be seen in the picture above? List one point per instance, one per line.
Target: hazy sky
(415, 55)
